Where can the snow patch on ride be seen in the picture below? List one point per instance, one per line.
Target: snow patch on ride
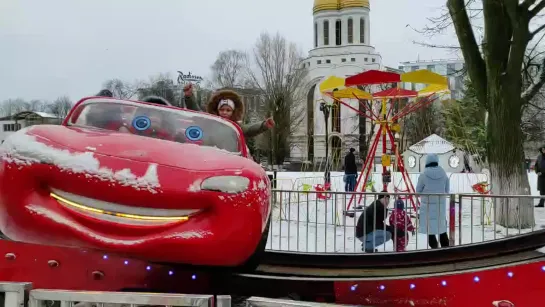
(26, 149)
(189, 235)
(195, 186)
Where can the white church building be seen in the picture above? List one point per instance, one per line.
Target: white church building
(342, 48)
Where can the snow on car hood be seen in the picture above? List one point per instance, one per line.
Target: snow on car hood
(75, 150)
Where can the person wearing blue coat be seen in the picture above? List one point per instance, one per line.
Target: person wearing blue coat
(433, 209)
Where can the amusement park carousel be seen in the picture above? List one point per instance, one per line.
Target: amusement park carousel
(77, 230)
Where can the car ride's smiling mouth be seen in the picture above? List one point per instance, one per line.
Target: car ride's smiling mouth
(117, 213)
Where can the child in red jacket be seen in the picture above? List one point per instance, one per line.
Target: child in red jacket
(401, 221)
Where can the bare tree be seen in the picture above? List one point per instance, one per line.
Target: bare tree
(533, 113)
(162, 86)
(276, 71)
(122, 89)
(61, 106)
(228, 69)
(13, 106)
(494, 68)
(423, 123)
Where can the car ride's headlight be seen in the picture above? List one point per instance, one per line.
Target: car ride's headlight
(226, 184)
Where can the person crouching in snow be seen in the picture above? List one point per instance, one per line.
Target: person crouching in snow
(228, 104)
(401, 221)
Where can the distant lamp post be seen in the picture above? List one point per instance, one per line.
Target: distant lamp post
(326, 110)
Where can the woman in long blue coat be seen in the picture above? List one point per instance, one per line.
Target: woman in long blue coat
(433, 209)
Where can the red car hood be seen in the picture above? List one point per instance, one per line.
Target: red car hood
(138, 148)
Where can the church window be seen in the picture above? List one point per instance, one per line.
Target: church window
(362, 30)
(336, 117)
(338, 32)
(350, 28)
(315, 35)
(326, 32)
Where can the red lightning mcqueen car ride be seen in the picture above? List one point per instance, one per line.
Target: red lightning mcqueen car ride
(154, 182)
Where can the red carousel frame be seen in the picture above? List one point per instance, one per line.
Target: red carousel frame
(337, 88)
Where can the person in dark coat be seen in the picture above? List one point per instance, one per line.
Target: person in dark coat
(539, 168)
(105, 93)
(371, 229)
(350, 171)
(156, 100)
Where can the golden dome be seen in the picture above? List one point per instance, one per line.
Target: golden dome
(333, 5)
(353, 3)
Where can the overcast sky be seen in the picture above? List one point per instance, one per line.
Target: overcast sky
(50, 48)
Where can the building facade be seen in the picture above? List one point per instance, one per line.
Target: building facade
(342, 48)
(11, 124)
(453, 69)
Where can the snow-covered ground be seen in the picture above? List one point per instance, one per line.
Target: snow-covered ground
(304, 223)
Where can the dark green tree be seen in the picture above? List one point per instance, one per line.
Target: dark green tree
(465, 122)
(423, 123)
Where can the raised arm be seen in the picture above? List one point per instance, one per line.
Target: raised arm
(191, 103)
(253, 130)
(189, 98)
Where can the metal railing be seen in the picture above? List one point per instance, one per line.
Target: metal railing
(15, 293)
(315, 221)
(107, 299)
(267, 302)
(19, 294)
(460, 183)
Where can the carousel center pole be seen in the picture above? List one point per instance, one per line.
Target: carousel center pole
(384, 125)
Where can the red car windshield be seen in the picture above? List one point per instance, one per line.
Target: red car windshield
(158, 122)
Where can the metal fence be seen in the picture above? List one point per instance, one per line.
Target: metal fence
(460, 183)
(21, 295)
(314, 221)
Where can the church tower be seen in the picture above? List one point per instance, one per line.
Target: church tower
(342, 48)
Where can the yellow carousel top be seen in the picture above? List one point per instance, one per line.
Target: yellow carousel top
(339, 88)
(329, 5)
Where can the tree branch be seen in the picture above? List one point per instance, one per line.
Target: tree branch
(536, 31)
(451, 47)
(533, 89)
(517, 37)
(537, 107)
(470, 49)
(540, 6)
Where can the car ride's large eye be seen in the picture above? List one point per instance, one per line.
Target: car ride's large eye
(193, 133)
(141, 123)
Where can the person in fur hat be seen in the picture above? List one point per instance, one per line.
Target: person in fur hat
(228, 104)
